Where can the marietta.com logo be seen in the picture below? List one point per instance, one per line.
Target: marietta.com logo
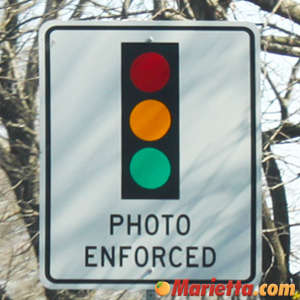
(182, 287)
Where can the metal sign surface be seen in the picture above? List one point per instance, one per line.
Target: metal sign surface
(106, 220)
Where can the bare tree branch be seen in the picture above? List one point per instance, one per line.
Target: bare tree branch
(286, 9)
(280, 206)
(79, 9)
(284, 110)
(125, 8)
(274, 263)
(285, 132)
(280, 49)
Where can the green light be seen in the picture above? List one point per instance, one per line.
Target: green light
(150, 168)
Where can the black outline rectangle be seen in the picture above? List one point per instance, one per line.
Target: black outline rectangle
(48, 149)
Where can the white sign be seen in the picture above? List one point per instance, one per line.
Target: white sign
(93, 236)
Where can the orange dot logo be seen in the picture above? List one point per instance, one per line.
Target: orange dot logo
(162, 288)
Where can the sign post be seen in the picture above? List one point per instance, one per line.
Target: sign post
(150, 153)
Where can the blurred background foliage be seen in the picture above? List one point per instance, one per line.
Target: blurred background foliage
(278, 22)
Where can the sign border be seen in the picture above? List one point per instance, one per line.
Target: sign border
(255, 141)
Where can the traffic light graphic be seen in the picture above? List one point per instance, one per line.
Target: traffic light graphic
(150, 121)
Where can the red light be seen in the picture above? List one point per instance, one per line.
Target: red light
(150, 72)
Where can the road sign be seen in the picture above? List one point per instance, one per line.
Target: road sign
(150, 153)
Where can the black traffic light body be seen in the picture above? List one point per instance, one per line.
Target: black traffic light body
(167, 95)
